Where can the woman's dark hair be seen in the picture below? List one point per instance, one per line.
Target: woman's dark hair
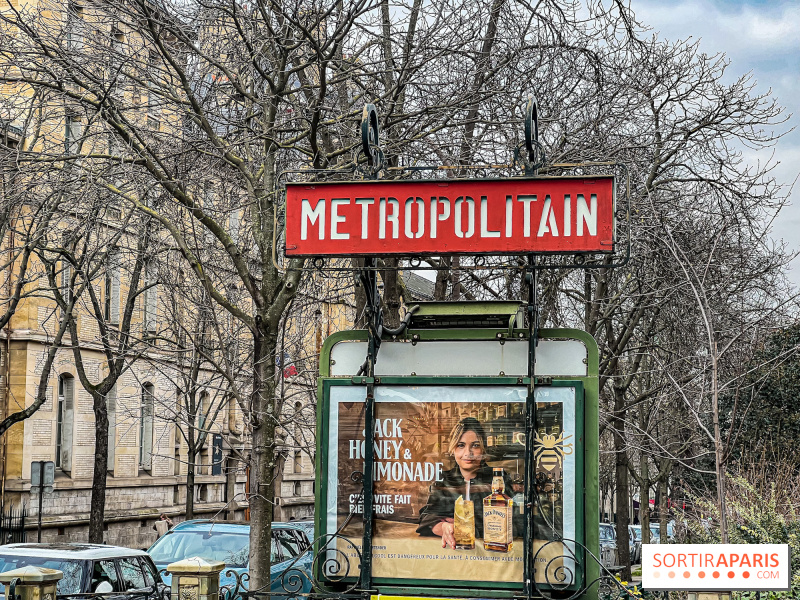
(463, 426)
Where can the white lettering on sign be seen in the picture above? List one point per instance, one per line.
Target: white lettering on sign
(311, 216)
(548, 224)
(365, 204)
(485, 231)
(336, 219)
(587, 216)
(463, 224)
(410, 202)
(509, 214)
(385, 218)
(436, 216)
(526, 213)
(450, 217)
(459, 210)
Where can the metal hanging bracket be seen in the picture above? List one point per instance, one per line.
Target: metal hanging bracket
(370, 141)
(533, 155)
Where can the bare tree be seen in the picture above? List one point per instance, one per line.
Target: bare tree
(98, 262)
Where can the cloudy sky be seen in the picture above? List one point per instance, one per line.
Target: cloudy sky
(759, 36)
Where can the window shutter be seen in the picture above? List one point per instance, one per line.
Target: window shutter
(146, 449)
(66, 275)
(111, 408)
(67, 424)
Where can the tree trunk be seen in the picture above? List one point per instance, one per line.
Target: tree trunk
(718, 448)
(621, 471)
(391, 294)
(644, 499)
(644, 484)
(442, 279)
(263, 458)
(97, 507)
(191, 460)
(663, 513)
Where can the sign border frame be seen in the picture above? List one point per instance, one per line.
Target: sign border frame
(610, 251)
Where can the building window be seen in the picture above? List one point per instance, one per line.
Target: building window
(66, 281)
(150, 298)
(298, 488)
(112, 284)
(298, 461)
(146, 427)
(202, 407)
(73, 130)
(233, 425)
(64, 422)
(74, 23)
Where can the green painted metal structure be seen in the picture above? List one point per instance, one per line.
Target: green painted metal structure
(444, 322)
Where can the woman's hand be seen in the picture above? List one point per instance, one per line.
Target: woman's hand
(446, 529)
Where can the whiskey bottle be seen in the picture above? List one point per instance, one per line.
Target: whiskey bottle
(490, 437)
(498, 511)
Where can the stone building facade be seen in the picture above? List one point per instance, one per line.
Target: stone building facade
(147, 456)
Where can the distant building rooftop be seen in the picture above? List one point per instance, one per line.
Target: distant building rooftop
(419, 287)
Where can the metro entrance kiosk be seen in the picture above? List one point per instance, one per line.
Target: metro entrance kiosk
(385, 424)
(439, 362)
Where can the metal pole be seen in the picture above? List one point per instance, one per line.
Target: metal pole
(41, 494)
(373, 305)
(529, 571)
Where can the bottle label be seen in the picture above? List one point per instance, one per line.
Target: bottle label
(496, 524)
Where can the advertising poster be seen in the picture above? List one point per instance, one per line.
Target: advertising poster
(449, 480)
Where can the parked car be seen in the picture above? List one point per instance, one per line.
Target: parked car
(635, 534)
(88, 568)
(608, 546)
(306, 525)
(655, 529)
(229, 542)
(655, 533)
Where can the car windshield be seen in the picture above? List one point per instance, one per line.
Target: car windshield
(231, 548)
(72, 569)
(637, 533)
(607, 534)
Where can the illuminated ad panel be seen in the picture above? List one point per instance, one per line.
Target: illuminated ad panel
(449, 480)
(498, 216)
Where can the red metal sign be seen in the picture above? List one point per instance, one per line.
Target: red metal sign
(497, 216)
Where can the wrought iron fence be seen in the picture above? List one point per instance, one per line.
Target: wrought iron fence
(340, 578)
(12, 525)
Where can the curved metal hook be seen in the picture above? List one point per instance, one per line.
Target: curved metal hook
(531, 127)
(370, 136)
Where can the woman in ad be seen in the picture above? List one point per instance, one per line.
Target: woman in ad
(467, 446)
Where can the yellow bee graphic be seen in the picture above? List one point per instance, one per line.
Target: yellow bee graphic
(550, 451)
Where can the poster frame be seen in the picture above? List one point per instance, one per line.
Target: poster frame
(500, 382)
(588, 457)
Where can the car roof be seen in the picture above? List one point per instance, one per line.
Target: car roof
(71, 551)
(227, 526)
(207, 524)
